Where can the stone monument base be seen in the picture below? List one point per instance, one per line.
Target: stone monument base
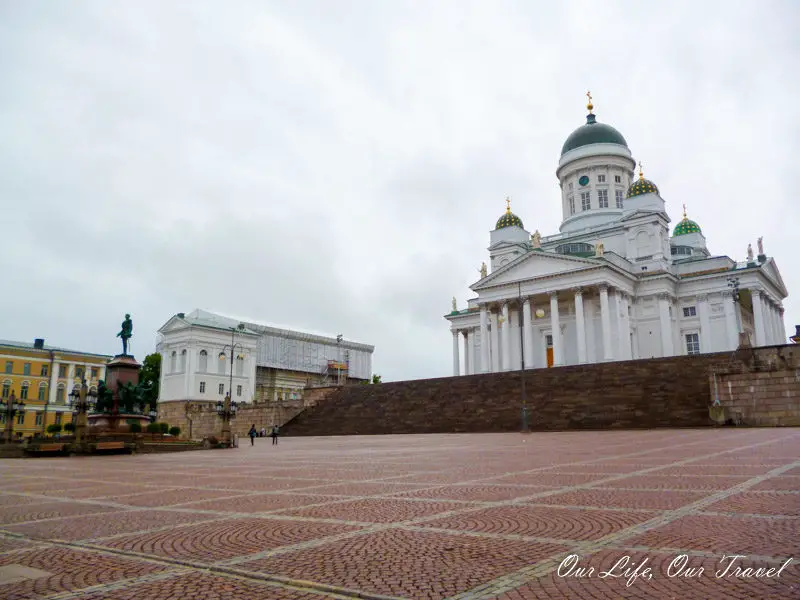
(118, 422)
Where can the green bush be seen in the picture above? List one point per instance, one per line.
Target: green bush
(164, 427)
(154, 428)
(54, 428)
(135, 428)
(69, 427)
(175, 431)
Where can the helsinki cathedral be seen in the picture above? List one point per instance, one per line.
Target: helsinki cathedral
(614, 284)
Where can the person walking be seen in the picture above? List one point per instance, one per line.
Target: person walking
(274, 434)
(252, 433)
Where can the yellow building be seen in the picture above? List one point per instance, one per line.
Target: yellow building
(43, 377)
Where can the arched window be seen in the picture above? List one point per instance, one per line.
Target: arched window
(183, 360)
(6, 388)
(42, 391)
(60, 393)
(173, 362)
(240, 365)
(203, 361)
(223, 359)
(24, 393)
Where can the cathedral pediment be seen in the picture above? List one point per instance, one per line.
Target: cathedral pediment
(770, 269)
(174, 324)
(536, 264)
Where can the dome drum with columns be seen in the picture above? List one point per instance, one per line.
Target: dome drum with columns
(612, 284)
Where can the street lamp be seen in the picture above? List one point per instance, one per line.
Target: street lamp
(733, 284)
(339, 359)
(226, 410)
(10, 407)
(83, 401)
(232, 347)
(522, 358)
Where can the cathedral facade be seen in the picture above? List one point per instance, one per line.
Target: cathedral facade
(614, 284)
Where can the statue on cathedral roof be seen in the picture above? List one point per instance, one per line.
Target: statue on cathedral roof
(536, 239)
(749, 253)
(455, 307)
(483, 270)
(761, 246)
(599, 249)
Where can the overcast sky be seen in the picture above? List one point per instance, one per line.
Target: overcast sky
(336, 166)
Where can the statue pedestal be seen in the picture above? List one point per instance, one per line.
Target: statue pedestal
(122, 369)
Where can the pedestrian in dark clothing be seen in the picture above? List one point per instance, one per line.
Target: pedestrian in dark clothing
(252, 433)
(274, 434)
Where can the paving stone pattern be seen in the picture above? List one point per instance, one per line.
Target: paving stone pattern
(436, 517)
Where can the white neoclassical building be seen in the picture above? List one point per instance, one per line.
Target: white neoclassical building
(270, 364)
(613, 284)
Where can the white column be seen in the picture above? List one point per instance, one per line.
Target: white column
(635, 348)
(70, 380)
(605, 317)
(666, 326)
(580, 326)
(475, 358)
(758, 317)
(776, 326)
(495, 337)
(624, 338)
(705, 323)
(588, 322)
(53, 387)
(730, 320)
(467, 353)
(772, 323)
(555, 325)
(527, 333)
(484, 339)
(505, 333)
(627, 349)
(456, 361)
(781, 326)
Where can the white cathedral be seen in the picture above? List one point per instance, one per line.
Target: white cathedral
(614, 284)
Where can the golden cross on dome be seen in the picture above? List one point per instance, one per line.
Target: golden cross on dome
(641, 175)
(508, 204)
(684, 211)
(590, 106)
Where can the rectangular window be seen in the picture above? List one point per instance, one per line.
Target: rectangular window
(79, 372)
(221, 389)
(23, 393)
(548, 339)
(571, 205)
(39, 419)
(202, 387)
(602, 198)
(42, 393)
(6, 389)
(21, 418)
(58, 418)
(45, 370)
(601, 179)
(60, 392)
(689, 311)
(617, 179)
(238, 390)
(585, 201)
(692, 343)
(95, 372)
(222, 362)
(26, 369)
(618, 194)
(240, 365)
(62, 371)
(9, 367)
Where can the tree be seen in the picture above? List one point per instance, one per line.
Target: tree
(54, 428)
(69, 426)
(175, 431)
(376, 379)
(149, 376)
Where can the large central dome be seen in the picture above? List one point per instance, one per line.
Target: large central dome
(593, 133)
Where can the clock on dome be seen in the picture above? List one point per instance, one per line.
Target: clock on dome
(584, 180)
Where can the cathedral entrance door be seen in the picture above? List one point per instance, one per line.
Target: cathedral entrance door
(549, 341)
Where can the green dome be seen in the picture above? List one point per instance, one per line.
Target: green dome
(509, 219)
(686, 226)
(641, 186)
(592, 133)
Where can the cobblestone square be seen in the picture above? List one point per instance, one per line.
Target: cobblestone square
(420, 517)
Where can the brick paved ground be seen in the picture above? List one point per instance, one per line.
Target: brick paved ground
(423, 517)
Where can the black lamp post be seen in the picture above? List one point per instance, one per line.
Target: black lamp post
(339, 359)
(10, 407)
(733, 284)
(83, 402)
(232, 347)
(522, 358)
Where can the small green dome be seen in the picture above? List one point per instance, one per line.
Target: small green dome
(686, 226)
(509, 219)
(641, 186)
(592, 133)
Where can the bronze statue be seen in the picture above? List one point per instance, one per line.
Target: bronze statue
(126, 333)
